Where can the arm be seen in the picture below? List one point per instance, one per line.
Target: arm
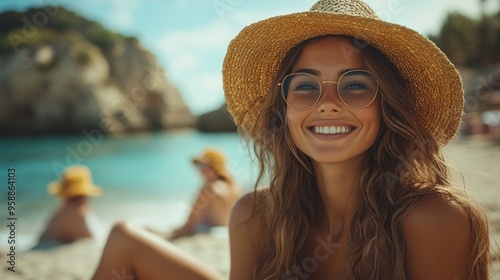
(242, 257)
(197, 214)
(46, 235)
(438, 240)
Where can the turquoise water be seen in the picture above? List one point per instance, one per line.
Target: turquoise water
(146, 178)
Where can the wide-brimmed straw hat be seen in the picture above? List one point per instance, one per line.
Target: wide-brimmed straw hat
(254, 56)
(214, 159)
(75, 181)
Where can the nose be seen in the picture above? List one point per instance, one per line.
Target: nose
(329, 101)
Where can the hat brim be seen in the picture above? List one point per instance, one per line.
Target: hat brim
(55, 188)
(219, 170)
(254, 56)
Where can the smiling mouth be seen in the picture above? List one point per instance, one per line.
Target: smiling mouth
(331, 130)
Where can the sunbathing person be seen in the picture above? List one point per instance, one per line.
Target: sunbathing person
(215, 198)
(74, 219)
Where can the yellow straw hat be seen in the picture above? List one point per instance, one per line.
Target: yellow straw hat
(254, 56)
(75, 181)
(214, 159)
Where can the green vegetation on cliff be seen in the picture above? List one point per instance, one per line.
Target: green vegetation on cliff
(51, 24)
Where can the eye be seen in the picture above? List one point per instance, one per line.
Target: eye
(357, 81)
(306, 86)
(355, 85)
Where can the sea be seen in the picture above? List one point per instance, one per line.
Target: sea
(148, 179)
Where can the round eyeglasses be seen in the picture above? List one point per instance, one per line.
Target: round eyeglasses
(355, 88)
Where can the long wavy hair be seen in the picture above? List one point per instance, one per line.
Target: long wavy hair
(404, 165)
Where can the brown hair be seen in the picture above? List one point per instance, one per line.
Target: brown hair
(404, 165)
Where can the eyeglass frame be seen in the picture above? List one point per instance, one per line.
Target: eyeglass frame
(329, 82)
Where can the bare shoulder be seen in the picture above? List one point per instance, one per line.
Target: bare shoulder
(243, 208)
(436, 213)
(243, 237)
(438, 239)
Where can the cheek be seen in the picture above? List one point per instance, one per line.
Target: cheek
(292, 130)
(295, 117)
(205, 172)
(372, 118)
(295, 120)
(292, 120)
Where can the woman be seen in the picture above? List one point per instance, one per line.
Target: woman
(74, 220)
(373, 194)
(348, 115)
(215, 198)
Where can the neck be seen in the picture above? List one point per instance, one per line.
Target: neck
(337, 189)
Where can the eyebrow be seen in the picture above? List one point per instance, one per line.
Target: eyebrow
(317, 73)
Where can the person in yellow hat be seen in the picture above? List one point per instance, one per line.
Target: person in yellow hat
(348, 115)
(74, 220)
(215, 198)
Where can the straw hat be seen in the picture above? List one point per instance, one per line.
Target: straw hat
(75, 181)
(253, 58)
(214, 159)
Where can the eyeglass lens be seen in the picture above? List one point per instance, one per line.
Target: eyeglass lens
(356, 89)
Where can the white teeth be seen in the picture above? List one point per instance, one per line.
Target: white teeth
(331, 129)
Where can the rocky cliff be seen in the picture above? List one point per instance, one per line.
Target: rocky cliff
(217, 121)
(65, 74)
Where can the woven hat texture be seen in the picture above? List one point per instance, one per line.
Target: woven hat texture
(254, 55)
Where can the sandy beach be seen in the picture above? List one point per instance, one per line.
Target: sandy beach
(476, 164)
(78, 260)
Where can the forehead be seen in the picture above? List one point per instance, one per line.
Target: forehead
(334, 52)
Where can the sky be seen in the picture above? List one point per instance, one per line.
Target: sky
(190, 37)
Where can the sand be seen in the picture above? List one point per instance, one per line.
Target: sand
(477, 161)
(476, 165)
(79, 260)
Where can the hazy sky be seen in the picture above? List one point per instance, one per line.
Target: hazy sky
(189, 37)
